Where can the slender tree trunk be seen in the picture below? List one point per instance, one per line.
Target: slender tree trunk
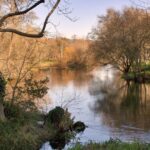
(2, 115)
(2, 95)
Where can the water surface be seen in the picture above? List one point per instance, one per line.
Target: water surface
(110, 107)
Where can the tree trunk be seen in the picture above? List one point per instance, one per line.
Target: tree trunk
(2, 115)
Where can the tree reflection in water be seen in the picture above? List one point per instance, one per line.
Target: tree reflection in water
(59, 141)
(121, 104)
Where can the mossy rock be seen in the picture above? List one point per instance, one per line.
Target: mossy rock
(60, 119)
(79, 126)
(55, 116)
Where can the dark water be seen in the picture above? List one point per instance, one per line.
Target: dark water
(110, 107)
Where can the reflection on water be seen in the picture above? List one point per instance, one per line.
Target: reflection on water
(129, 106)
(109, 106)
(59, 141)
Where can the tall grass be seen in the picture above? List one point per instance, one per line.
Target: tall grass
(21, 131)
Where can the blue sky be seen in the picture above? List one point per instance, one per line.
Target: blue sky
(86, 11)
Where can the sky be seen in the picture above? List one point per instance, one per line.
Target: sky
(85, 11)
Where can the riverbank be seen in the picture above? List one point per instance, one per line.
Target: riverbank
(112, 145)
(21, 130)
(140, 77)
(45, 65)
(28, 130)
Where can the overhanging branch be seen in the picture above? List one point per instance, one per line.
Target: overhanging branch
(38, 35)
(19, 12)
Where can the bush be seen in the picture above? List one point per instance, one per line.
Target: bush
(60, 119)
(56, 115)
(20, 131)
(11, 111)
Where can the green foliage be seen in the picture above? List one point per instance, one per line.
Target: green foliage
(145, 67)
(112, 145)
(56, 115)
(30, 90)
(64, 126)
(21, 131)
(13, 138)
(11, 111)
(16, 114)
(34, 88)
(139, 77)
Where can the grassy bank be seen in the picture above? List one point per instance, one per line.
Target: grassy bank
(21, 130)
(28, 130)
(112, 145)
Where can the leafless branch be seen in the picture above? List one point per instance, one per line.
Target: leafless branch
(18, 13)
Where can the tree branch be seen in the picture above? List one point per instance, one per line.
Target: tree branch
(17, 13)
(49, 14)
(38, 35)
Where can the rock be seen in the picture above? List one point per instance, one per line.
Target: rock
(79, 126)
(55, 116)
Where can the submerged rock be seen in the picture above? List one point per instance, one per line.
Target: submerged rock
(79, 126)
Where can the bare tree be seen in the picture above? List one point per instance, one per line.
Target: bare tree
(120, 37)
(143, 4)
(14, 11)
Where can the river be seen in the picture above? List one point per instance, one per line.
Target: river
(110, 107)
